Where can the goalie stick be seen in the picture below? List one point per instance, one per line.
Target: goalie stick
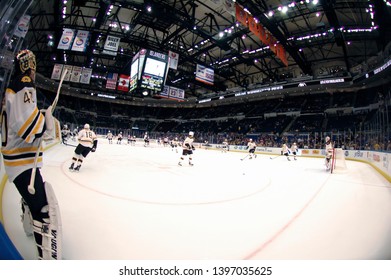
(31, 188)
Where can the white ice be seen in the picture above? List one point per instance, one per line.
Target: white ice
(135, 202)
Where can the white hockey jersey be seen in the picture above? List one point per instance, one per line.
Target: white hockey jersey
(188, 143)
(86, 137)
(22, 126)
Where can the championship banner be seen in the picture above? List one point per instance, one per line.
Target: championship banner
(173, 60)
(66, 39)
(22, 27)
(176, 93)
(111, 45)
(85, 75)
(123, 82)
(111, 81)
(164, 91)
(80, 42)
(172, 93)
(76, 73)
(57, 69)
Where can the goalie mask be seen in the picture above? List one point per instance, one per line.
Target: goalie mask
(25, 60)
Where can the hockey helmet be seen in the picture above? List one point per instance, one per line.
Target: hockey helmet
(327, 139)
(25, 60)
(191, 133)
(86, 126)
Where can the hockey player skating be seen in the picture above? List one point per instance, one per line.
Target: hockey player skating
(188, 149)
(74, 133)
(174, 144)
(110, 137)
(65, 134)
(225, 146)
(133, 140)
(294, 150)
(329, 152)
(146, 139)
(165, 141)
(119, 138)
(23, 125)
(251, 146)
(87, 143)
(285, 151)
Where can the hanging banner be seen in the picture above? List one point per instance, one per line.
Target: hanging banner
(123, 82)
(229, 6)
(76, 73)
(173, 60)
(69, 71)
(80, 42)
(205, 75)
(176, 93)
(57, 69)
(111, 45)
(85, 75)
(22, 27)
(66, 39)
(248, 20)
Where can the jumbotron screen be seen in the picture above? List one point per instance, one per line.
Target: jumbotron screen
(154, 71)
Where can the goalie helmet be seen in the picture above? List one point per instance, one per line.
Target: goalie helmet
(327, 139)
(191, 133)
(25, 60)
(86, 126)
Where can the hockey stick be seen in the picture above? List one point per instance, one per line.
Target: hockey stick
(70, 145)
(31, 188)
(245, 157)
(275, 157)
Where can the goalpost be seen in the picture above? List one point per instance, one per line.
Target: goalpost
(338, 160)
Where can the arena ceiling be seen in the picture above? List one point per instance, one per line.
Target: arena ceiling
(320, 37)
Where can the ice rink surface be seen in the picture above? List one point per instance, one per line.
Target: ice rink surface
(135, 202)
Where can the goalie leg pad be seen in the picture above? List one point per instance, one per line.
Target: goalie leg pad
(48, 234)
(27, 219)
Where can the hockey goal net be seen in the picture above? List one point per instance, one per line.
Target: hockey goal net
(338, 160)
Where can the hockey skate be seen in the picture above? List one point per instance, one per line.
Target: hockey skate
(72, 166)
(77, 168)
(191, 164)
(179, 163)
